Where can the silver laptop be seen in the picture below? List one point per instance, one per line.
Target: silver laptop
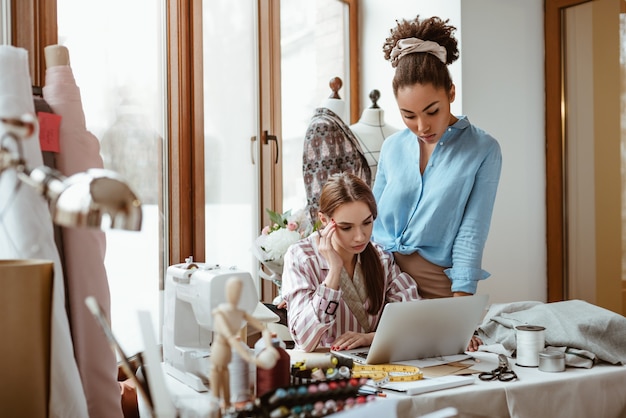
(422, 329)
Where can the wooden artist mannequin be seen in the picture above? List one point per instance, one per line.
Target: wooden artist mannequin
(227, 327)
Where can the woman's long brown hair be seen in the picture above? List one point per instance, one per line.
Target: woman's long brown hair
(344, 188)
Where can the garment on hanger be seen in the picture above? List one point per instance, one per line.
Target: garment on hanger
(329, 147)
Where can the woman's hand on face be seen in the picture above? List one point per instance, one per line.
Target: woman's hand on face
(325, 237)
(350, 340)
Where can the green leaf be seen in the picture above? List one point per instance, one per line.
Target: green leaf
(276, 218)
(285, 217)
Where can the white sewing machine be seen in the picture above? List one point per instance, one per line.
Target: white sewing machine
(192, 291)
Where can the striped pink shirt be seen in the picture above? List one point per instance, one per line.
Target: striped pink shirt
(312, 322)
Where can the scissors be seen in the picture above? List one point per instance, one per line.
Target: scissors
(503, 373)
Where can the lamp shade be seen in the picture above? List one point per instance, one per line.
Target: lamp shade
(97, 198)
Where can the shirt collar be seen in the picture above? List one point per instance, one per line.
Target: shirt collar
(461, 123)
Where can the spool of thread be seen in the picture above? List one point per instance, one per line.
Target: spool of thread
(530, 342)
(327, 361)
(239, 379)
(276, 377)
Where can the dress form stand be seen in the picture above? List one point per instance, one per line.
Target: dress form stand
(330, 147)
(334, 101)
(371, 130)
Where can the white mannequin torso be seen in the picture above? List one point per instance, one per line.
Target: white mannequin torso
(337, 106)
(371, 130)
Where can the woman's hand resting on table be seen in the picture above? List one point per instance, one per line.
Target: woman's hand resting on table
(474, 343)
(350, 340)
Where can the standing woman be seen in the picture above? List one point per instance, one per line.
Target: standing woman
(436, 181)
(336, 281)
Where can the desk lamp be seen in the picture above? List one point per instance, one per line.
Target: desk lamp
(94, 198)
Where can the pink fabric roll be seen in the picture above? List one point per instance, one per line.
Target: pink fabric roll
(84, 251)
(26, 232)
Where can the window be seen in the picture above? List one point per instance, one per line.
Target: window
(231, 119)
(118, 61)
(198, 160)
(314, 49)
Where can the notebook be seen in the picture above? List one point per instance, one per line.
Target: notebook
(422, 329)
(429, 384)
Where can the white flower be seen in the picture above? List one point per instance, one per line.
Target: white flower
(301, 218)
(284, 230)
(275, 245)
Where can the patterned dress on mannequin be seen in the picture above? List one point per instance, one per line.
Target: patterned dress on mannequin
(329, 147)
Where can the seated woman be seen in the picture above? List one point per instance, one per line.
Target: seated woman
(336, 281)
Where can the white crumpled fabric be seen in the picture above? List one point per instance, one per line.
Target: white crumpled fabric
(582, 330)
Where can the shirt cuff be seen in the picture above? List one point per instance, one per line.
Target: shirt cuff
(329, 300)
(465, 279)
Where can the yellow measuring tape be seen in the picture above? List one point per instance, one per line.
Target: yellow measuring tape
(383, 373)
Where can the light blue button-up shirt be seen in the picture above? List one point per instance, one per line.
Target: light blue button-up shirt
(445, 213)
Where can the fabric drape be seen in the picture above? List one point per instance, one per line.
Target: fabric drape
(84, 251)
(329, 147)
(26, 232)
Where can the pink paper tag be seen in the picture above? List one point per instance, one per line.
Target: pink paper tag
(49, 128)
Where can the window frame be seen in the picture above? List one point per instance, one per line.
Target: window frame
(555, 137)
(34, 26)
(185, 126)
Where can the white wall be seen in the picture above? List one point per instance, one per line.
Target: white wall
(500, 87)
(377, 18)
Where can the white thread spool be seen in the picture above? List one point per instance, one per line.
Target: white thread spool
(530, 342)
(239, 382)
